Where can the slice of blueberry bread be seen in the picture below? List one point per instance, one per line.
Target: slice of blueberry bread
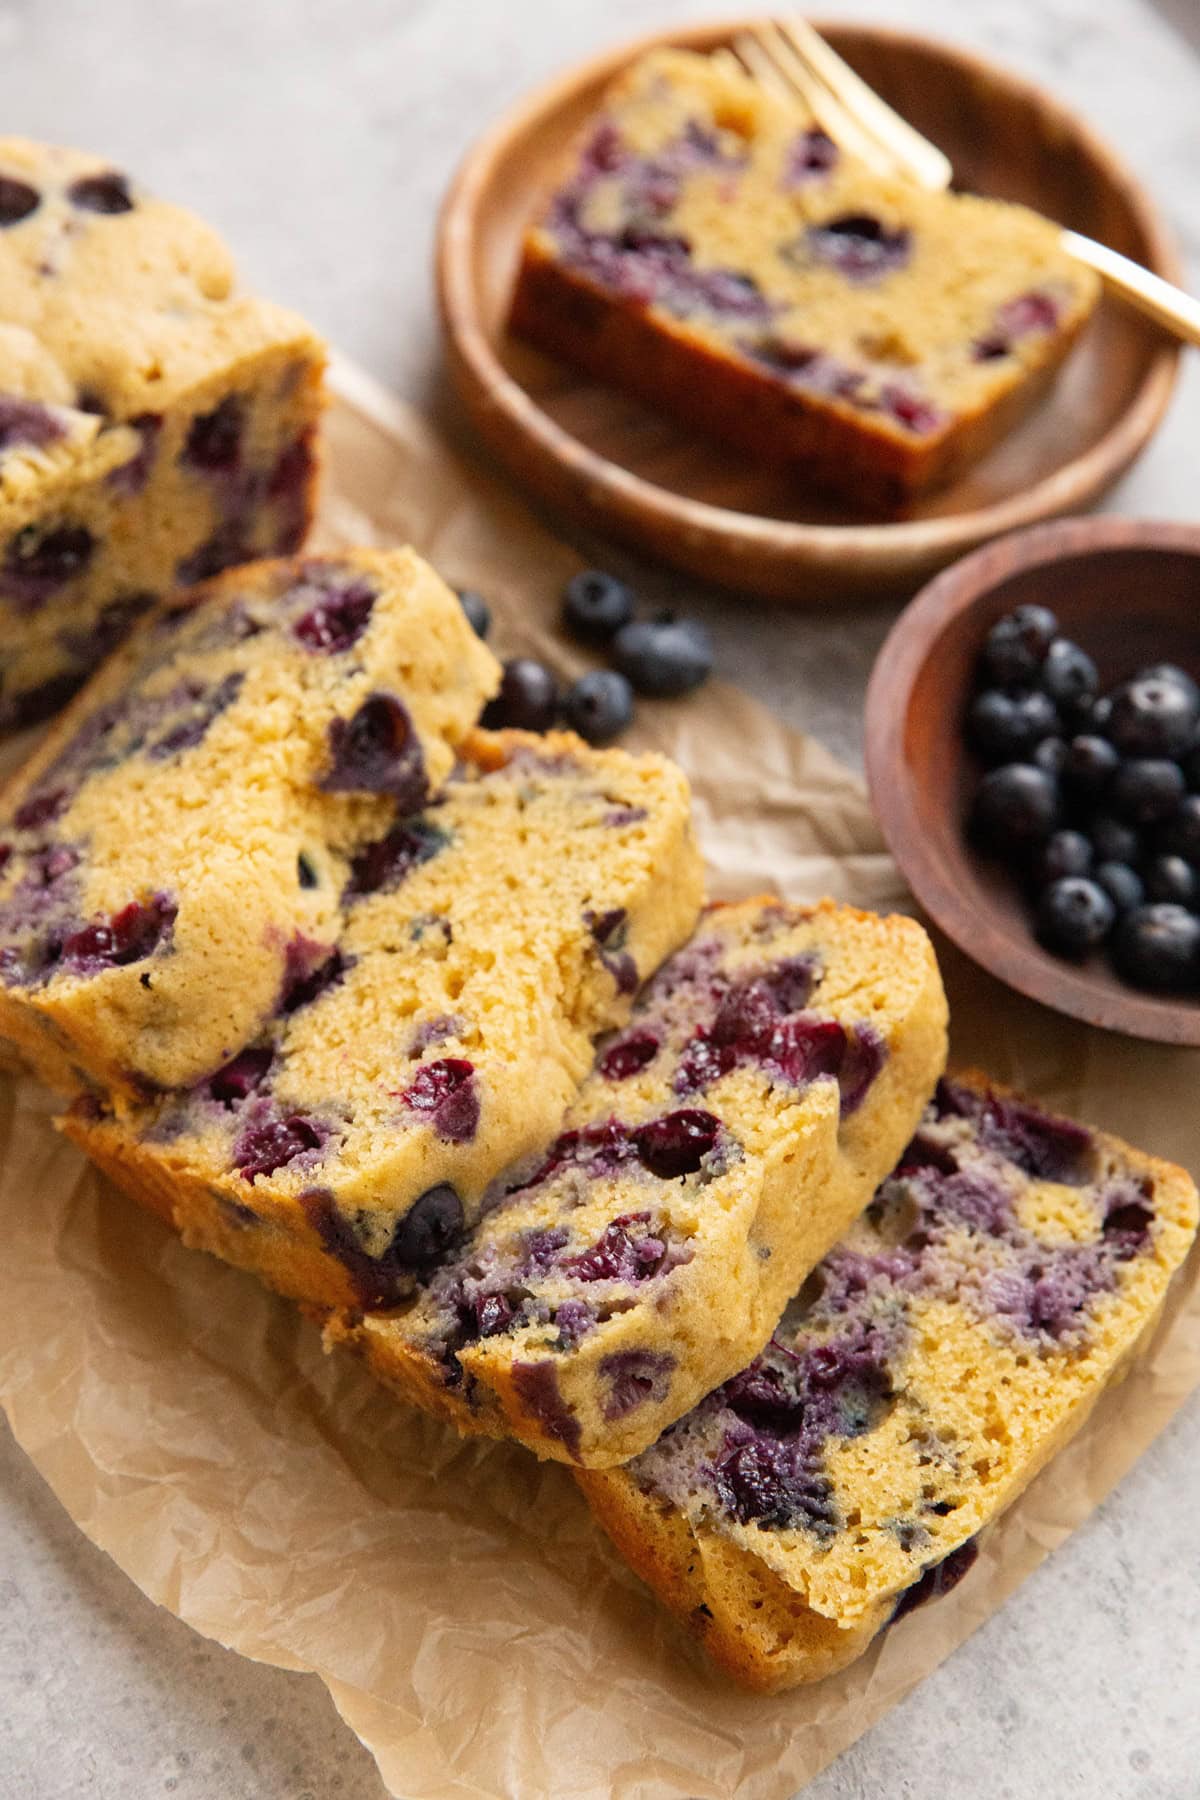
(931, 1365)
(772, 1071)
(155, 425)
(172, 859)
(715, 255)
(435, 1032)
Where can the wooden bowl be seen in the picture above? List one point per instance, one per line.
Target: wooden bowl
(1129, 592)
(604, 462)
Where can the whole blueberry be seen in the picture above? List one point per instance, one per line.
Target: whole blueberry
(1114, 841)
(1051, 755)
(1180, 836)
(1089, 766)
(1190, 763)
(599, 706)
(1146, 790)
(664, 656)
(1016, 646)
(1166, 671)
(1153, 717)
(1065, 853)
(1101, 713)
(1158, 947)
(528, 697)
(1171, 878)
(479, 613)
(1008, 727)
(1074, 915)
(596, 605)
(1122, 884)
(1068, 675)
(1016, 808)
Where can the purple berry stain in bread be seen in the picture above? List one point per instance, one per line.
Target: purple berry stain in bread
(383, 865)
(214, 439)
(132, 476)
(37, 563)
(128, 936)
(445, 1096)
(632, 1378)
(242, 1076)
(336, 621)
(269, 1140)
(27, 423)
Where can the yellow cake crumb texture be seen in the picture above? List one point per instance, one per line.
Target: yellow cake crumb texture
(156, 425)
(934, 1362)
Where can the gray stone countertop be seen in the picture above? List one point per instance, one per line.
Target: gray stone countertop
(319, 137)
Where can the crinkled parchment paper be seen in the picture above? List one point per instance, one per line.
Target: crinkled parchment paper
(466, 1616)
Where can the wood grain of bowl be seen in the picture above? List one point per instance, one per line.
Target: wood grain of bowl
(1129, 592)
(603, 462)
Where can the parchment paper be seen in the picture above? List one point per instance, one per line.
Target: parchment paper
(469, 1621)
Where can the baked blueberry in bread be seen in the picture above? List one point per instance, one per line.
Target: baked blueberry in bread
(956, 1337)
(156, 425)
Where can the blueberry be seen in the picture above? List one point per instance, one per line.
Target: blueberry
(1008, 727)
(595, 606)
(1065, 853)
(1089, 766)
(1016, 646)
(1113, 841)
(427, 1230)
(377, 751)
(599, 706)
(104, 193)
(1158, 947)
(1051, 755)
(1122, 884)
(1153, 717)
(17, 200)
(214, 439)
(1101, 713)
(1165, 671)
(337, 620)
(1016, 807)
(479, 613)
(528, 697)
(1074, 915)
(859, 246)
(1147, 790)
(1181, 834)
(1068, 675)
(664, 656)
(1191, 766)
(1170, 878)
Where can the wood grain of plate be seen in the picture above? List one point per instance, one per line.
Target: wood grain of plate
(1128, 590)
(604, 462)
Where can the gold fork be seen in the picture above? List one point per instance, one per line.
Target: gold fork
(795, 63)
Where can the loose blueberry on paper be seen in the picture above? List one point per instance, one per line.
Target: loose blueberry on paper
(1094, 798)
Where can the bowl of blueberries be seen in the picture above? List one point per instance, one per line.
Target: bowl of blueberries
(1033, 752)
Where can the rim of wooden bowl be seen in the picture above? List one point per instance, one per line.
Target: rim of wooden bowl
(1014, 957)
(779, 558)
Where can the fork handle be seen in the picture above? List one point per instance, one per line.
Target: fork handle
(1168, 306)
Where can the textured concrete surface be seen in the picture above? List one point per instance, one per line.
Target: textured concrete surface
(319, 138)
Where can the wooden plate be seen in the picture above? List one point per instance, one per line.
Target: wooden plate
(604, 462)
(1129, 592)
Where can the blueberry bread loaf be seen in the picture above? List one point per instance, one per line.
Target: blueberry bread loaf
(172, 858)
(932, 1364)
(436, 1028)
(155, 425)
(720, 258)
(772, 1071)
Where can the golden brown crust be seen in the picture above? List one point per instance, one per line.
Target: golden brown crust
(860, 460)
